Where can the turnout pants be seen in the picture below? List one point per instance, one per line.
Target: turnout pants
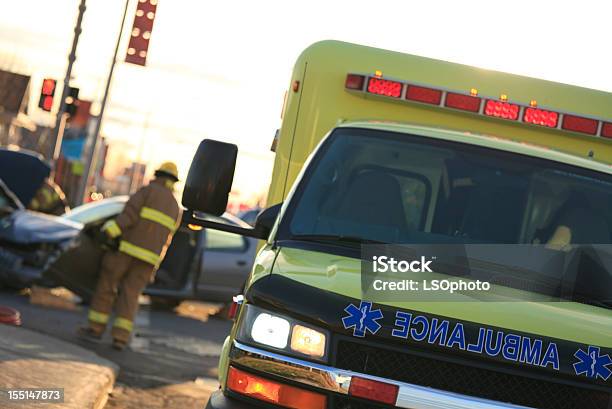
(122, 279)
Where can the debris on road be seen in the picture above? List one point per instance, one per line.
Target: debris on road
(60, 298)
(198, 310)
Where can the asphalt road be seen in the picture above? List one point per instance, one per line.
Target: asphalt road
(171, 363)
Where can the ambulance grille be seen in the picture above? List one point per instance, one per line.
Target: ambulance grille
(472, 381)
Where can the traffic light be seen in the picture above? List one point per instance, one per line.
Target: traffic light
(72, 101)
(141, 32)
(46, 94)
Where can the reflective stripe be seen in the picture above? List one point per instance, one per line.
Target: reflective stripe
(47, 195)
(113, 228)
(140, 253)
(158, 217)
(98, 317)
(123, 323)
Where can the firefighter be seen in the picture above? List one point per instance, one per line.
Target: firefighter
(144, 230)
(49, 199)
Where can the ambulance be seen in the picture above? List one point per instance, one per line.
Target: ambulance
(379, 148)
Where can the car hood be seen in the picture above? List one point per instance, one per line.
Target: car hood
(563, 320)
(23, 172)
(26, 227)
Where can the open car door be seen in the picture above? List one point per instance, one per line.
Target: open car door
(78, 268)
(174, 276)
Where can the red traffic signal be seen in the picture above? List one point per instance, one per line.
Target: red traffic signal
(141, 32)
(46, 94)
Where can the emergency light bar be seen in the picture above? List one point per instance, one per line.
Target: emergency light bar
(470, 102)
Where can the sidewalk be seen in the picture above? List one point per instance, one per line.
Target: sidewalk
(32, 360)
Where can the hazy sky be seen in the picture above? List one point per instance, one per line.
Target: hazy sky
(220, 69)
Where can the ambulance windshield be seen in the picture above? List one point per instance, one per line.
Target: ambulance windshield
(396, 188)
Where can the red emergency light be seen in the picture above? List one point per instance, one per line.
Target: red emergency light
(606, 129)
(501, 109)
(373, 390)
(463, 102)
(470, 102)
(579, 124)
(542, 117)
(387, 88)
(424, 94)
(354, 81)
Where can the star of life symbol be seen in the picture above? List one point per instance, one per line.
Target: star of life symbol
(362, 319)
(592, 364)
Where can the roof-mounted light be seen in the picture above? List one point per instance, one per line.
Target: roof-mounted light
(541, 117)
(606, 129)
(384, 87)
(355, 81)
(499, 107)
(462, 101)
(424, 94)
(580, 124)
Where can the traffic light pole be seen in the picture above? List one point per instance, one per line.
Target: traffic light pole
(90, 163)
(60, 119)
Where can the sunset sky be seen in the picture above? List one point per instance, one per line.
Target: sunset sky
(219, 69)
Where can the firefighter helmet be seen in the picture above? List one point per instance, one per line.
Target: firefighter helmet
(168, 169)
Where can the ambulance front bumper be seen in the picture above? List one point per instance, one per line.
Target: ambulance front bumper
(337, 381)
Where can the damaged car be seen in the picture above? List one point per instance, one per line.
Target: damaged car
(29, 241)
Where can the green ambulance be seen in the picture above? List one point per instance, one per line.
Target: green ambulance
(379, 148)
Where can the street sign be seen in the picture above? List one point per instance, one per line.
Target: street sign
(141, 32)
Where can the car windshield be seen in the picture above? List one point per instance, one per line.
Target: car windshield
(396, 188)
(97, 211)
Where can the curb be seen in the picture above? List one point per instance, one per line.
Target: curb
(29, 359)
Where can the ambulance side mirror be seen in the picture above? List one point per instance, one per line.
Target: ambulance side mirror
(210, 177)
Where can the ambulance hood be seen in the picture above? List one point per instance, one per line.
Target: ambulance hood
(563, 320)
(551, 339)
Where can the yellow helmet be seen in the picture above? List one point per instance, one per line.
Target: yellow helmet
(168, 169)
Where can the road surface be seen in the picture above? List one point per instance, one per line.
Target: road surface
(172, 362)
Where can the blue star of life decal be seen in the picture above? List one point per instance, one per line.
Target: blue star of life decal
(362, 319)
(592, 364)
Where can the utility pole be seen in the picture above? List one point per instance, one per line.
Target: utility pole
(60, 119)
(90, 163)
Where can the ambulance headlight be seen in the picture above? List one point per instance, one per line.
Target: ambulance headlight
(259, 326)
(308, 341)
(270, 330)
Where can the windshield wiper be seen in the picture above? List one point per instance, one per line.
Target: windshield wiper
(335, 238)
